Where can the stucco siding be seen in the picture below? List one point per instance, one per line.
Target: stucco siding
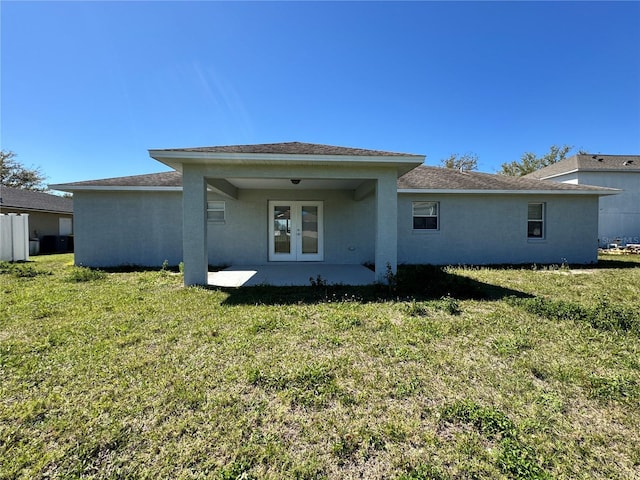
(145, 228)
(492, 229)
(243, 238)
(127, 228)
(619, 215)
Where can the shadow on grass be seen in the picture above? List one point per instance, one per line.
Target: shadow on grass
(414, 282)
(616, 262)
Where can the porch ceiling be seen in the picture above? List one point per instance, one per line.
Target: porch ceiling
(303, 185)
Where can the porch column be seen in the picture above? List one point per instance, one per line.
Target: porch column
(194, 226)
(386, 225)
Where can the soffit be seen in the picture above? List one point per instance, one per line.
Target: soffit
(286, 184)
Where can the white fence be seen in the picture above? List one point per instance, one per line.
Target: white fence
(14, 237)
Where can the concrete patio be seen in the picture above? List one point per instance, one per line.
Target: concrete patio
(291, 274)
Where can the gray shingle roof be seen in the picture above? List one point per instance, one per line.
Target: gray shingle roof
(163, 179)
(589, 163)
(289, 148)
(420, 178)
(35, 201)
(437, 178)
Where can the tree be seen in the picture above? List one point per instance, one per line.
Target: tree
(530, 162)
(464, 163)
(14, 174)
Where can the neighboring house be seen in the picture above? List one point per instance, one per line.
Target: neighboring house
(293, 202)
(50, 217)
(619, 215)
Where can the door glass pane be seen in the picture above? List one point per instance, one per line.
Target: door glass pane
(282, 229)
(309, 229)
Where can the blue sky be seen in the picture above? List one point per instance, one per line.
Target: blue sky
(88, 87)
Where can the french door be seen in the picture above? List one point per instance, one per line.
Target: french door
(295, 231)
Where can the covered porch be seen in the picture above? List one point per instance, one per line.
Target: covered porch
(291, 274)
(285, 202)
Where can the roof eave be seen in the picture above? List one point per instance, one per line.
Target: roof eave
(95, 188)
(175, 159)
(508, 192)
(36, 210)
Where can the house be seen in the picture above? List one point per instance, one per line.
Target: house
(299, 202)
(50, 217)
(619, 215)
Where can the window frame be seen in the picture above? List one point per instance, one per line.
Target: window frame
(426, 228)
(215, 206)
(541, 221)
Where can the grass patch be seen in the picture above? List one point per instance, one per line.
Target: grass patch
(128, 374)
(602, 315)
(308, 386)
(84, 274)
(514, 457)
(21, 269)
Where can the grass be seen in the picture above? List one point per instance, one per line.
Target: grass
(453, 373)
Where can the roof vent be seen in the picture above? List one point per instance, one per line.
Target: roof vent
(628, 162)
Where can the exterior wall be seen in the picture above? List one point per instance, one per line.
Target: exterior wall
(145, 228)
(243, 239)
(127, 228)
(619, 214)
(41, 223)
(492, 229)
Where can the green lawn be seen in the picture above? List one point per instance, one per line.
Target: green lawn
(455, 374)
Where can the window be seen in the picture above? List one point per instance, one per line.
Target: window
(425, 215)
(535, 220)
(215, 212)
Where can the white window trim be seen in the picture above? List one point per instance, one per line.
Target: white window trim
(437, 216)
(543, 220)
(216, 206)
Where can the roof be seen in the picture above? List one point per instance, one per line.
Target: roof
(289, 148)
(448, 179)
(15, 198)
(171, 179)
(589, 163)
(420, 178)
